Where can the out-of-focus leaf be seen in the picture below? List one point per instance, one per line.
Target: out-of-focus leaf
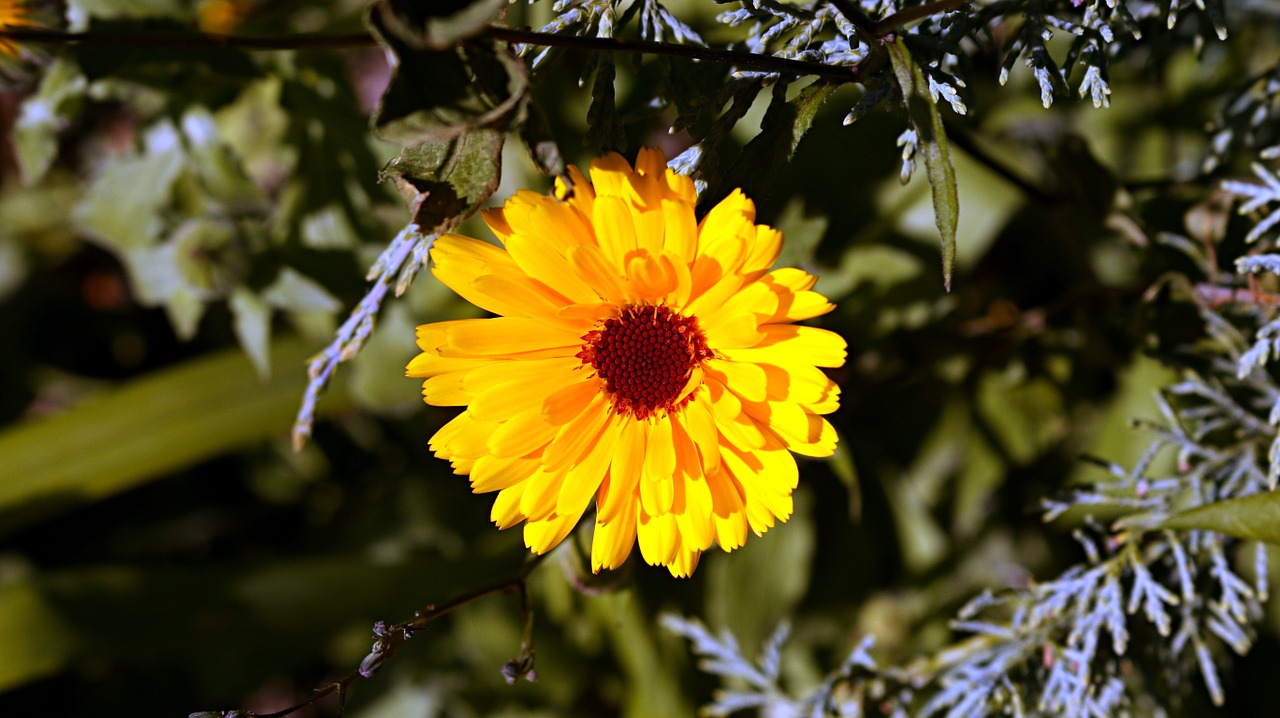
(328, 228)
(147, 427)
(122, 207)
(37, 642)
(653, 680)
(446, 181)
(79, 11)
(220, 173)
(785, 122)
(252, 321)
(293, 291)
(803, 234)
(1255, 517)
(437, 25)
(286, 610)
(377, 372)
(784, 555)
(927, 121)
(441, 94)
(35, 136)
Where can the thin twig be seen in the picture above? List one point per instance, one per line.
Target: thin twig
(205, 41)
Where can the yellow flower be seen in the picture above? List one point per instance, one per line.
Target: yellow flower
(13, 15)
(639, 358)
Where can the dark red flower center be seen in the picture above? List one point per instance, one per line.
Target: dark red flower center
(645, 356)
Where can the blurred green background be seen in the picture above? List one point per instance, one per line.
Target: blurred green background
(181, 229)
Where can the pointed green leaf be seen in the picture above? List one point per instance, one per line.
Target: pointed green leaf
(1255, 517)
(446, 181)
(786, 121)
(924, 117)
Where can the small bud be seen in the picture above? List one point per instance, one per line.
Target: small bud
(372, 663)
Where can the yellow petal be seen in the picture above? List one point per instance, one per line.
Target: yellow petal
(649, 279)
(584, 479)
(681, 230)
(748, 381)
(463, 437)
(792, 344)
(609, 175)
(732, 422)
(624, 471)
(701, 425)
(613, 540)
(491, 473)
(542, 536)
(525, 389)
(683, 563)
(735, 332)
(764, 251)
(540, 493)
(573, 441)
(570, 401)
(659, 538)
(506, 507)
(446, 390)
(599, 272)
(614, 230)
(523, 433)
(797, 280)
(550, 268)
(427, 364)
(502, 336)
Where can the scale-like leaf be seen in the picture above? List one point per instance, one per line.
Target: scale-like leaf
(924, 117)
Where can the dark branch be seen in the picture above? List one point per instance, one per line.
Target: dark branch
(744, 60)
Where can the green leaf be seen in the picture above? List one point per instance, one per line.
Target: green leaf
(446, 181)
(252, 322)
(784, 554)
(785, 122)
(293, 291)
(122, 207)
(149, 427)
(604, 127)
(35, 136)
(1255, 517)
(437, 25)
(442, 94)
(925, 118)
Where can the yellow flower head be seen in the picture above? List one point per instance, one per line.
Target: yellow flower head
(13, 14)
(639, 358)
